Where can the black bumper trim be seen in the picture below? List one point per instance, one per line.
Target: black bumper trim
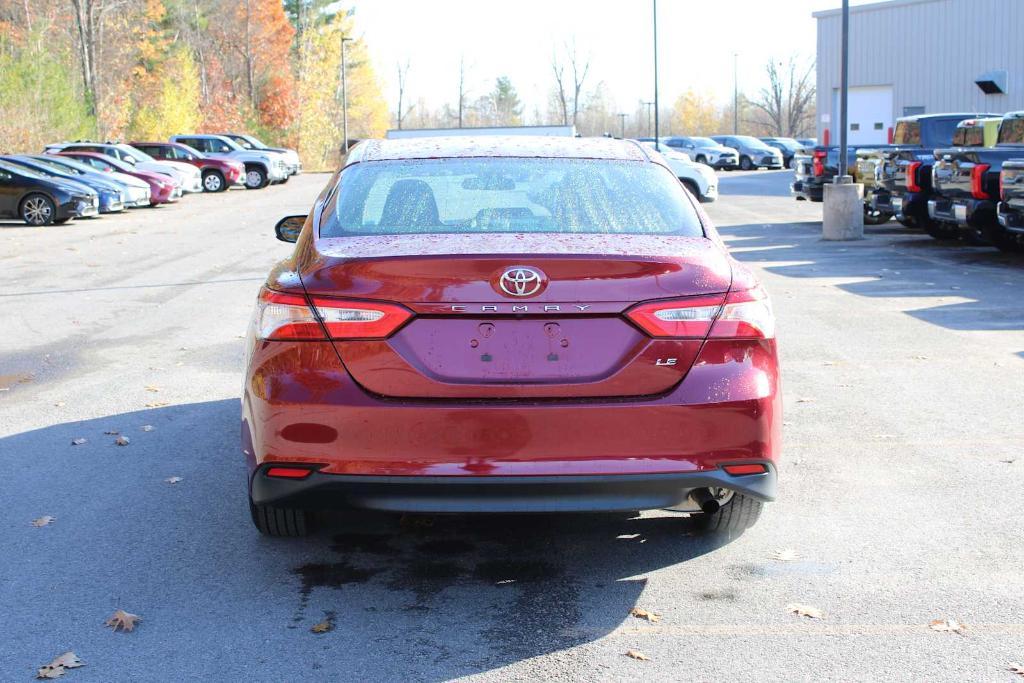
(500, 494)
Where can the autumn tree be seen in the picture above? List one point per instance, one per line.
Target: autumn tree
(695, 114)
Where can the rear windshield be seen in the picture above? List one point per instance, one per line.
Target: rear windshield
(1011, 132)
(907, 133)
(969, 137)
(479, 195)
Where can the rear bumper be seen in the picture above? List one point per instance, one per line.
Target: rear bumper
(300, 406)
(812, 192)
(962, 212)
(501, 494)
(1010, 218)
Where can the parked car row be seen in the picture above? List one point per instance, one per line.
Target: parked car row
(701, 181)
(956, 176)
(84, 178)
(744, 152)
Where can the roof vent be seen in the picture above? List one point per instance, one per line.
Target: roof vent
(992, 82)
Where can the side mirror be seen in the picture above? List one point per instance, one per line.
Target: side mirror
(289, 227)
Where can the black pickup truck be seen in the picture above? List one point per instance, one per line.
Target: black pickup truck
(905, 177)
(965, 186)
(1010, 211)
(923, 132)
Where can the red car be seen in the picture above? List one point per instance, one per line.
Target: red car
(218, 174)
(509, 325)
(162, 189)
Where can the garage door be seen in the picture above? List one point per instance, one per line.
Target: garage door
(869, 114)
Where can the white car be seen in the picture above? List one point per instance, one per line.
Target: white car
(261, 168)
(699, 179)
(187, 176)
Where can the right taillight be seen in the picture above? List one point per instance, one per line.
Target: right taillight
(819, 162)
(912, 184)
(747, 314)
(978, 181)
(289, 317)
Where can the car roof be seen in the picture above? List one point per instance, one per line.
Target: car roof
(535, 146)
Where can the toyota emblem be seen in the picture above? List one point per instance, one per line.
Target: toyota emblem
(521, 281)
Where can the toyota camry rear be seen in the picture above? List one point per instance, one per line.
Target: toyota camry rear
(509, 325)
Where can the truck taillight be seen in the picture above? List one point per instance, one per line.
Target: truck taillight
(912, 184)
(745, 314)
(819, 162)
(290, 317)
(978, 181)
(1002, 185)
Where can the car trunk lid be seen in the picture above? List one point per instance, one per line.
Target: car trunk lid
(472, 338)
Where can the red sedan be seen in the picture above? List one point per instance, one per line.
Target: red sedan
(218, 174)
(162, 188)
(509, 325)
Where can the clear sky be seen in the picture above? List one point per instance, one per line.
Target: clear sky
(697, 39)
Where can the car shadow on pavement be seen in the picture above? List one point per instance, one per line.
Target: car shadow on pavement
(404, 597)
(982, 284)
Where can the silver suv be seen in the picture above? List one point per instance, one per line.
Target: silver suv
(704, 151)
(261, 168)
(753, 153)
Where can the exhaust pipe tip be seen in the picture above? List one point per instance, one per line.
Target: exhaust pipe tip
(703, 499)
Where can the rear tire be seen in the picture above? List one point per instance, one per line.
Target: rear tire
(746, 164)
(872, 217)
(279, 522)
(733, 518)
(691, 186)
(1008, 242)
(213, 181)
(941, 231)
(701, 159)
(909, 222)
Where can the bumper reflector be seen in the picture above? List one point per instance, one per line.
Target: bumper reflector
(754, 468)
(289, 472)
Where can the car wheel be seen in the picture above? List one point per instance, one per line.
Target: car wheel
(691, 186)
(286, 179)
(1004, 241)
(213, 181)
(37, 209)
(701, 159)
(746, 164)
(874, 217)
(908, 222)
(255, 178)
(734, 517)
(790, 163)
(280, 522)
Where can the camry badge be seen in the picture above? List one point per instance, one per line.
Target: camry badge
(521, 281)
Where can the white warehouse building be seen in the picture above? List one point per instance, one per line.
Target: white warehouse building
(919, 57)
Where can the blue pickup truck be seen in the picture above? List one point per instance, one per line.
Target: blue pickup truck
(925, 132)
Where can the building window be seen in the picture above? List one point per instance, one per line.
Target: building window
(878, 125)
(912, 111)
(854, 126)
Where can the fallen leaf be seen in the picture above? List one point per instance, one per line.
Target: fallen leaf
(805, 399)
(60, 404)
(1009, 461)
(947, 626)
(920, 357)
(123, 620)
(785, 555)
(77, 442)
(112, 432)
(805, 611)
(640, 613)
(173, 480)
(147, 428)
(1015, 668)
(122, 441)
(56, 668)
(157, 404)
(323, 627)
(636, 654)
(153, 388)
(44, 521)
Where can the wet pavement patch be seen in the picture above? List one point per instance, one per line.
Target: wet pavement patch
(516, 571)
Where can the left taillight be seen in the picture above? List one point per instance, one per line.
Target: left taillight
(745, 314)
(290, 317)
(978, 181)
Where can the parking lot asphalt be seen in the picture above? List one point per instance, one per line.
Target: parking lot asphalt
(902, 482)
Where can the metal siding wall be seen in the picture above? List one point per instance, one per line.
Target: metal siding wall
(930, 52)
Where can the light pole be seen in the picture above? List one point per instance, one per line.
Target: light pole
(843, 212)
(655, 22)
(622, 126)
(344, 97)
(735, 97)
(844, 83)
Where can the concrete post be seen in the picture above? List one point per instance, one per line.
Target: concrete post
(843, 214)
